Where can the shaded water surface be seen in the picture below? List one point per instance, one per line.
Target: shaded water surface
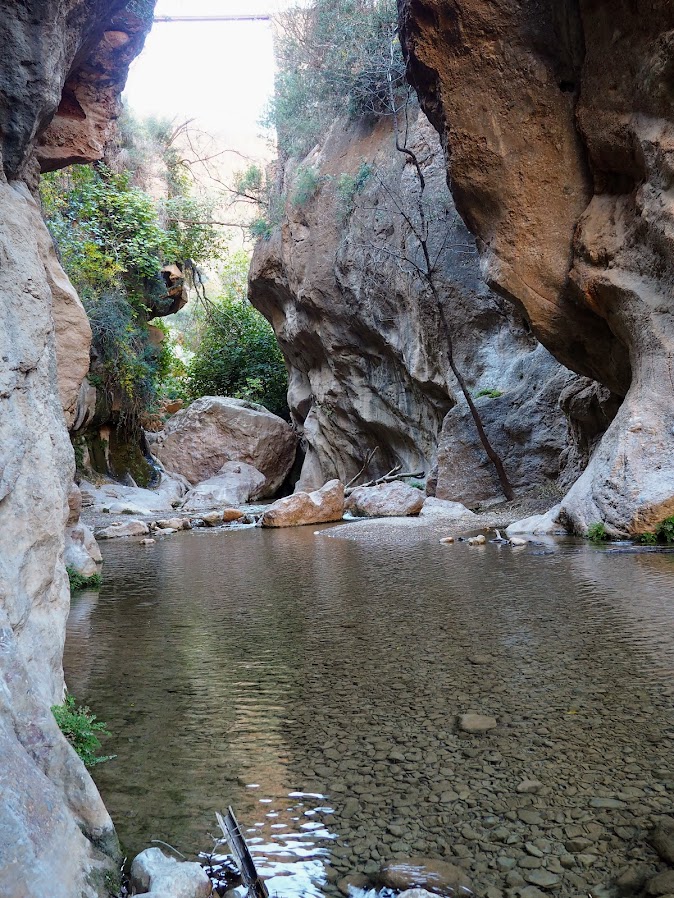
(314, 682)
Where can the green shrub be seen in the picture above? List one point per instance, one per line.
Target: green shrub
(334, 57)
(665, 530)
(348, 187)
(491, 393)
(77, 581)
(82, 730)
(597, 532)
(647, 539)
(307, 182)
(237, 355)
(261, 228)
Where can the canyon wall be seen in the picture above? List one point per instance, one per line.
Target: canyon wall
(363, 341)
(557, 123)
(56, 837)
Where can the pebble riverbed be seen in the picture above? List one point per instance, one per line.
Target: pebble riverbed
(315, 680)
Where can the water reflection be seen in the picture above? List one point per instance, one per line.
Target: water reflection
(313, 683)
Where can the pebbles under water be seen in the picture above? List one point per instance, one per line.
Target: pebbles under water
(314, 683)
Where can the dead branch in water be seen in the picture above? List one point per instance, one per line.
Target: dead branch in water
(393, 474)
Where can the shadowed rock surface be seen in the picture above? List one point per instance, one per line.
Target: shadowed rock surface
(557, 124)
(56, 837)
(363, 342)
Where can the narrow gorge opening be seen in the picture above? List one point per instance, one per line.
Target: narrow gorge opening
(327, 486)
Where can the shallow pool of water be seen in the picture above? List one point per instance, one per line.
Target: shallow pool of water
(313, 682)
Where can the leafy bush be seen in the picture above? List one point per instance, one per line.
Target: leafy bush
(597, 532)
(77, 581)
(333, 58)
(491, 393)
(307, 182)
(82, 730)
(237, 355)
(648, 538)
(665, 530)
(349, 186)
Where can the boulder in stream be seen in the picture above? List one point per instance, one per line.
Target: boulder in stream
(235, 484)
(427, 873)
(197, 441)
(385, 500)
(155, 874)
(319, 507)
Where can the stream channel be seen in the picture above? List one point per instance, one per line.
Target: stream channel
(313, 682)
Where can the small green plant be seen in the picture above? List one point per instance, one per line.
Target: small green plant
(348, 187)
(417, 484)
(307, 182)
(491, 393)
(596, 533)
(648, 538)
(665, 530)
(261, 228)
(77, 581)
(82, 730)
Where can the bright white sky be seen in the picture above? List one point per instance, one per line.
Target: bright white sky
(219, 73)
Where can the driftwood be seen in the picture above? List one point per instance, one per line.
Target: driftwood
(369, 458)
(232, 833)
(394, 474)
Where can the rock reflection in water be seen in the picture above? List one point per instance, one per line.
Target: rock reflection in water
(337, 666)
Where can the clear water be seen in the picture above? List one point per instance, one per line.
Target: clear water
(313, 682)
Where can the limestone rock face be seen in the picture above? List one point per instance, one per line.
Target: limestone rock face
(319, 507)
(197, 441)
(56, 836)
(362, 340)
(50, 808)
(385, 500)
(235, 484)
(559, 143)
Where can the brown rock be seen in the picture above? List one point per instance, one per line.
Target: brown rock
(385, 500)
(562, 178)
(232, 514)
(318, 507)
(197, 441)
(426, 873)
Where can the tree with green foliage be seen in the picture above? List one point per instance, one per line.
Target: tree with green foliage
(235, 352)
(333, 58)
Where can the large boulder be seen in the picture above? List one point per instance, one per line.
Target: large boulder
(118, 498)
(235, 484)
(442, 510)
(320, 507)
(123, 528)
(155, 874)
(385, 500)
(197, 441)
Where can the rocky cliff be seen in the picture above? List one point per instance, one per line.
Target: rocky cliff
(557, 122)
(367, 360)
(56, 837)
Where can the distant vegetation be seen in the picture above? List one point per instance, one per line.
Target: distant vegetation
(333, 59)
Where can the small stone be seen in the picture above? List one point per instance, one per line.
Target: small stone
(543, 879)
(212, 518)
(517, 541)
(662, 884)
(447, 540)
(353, 880)
(662, 839)
(148, 541)
(231, 514)
(476, 723)
(607, 803)
(530, 787)
(351, 807)
(532, 818)
(631, 880)
(574, 846)
(480, 659)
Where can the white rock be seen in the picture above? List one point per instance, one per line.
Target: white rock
(443, 509)
(155, 874)
(148, 541)
(476, 723)
(394, 499)
(121, 499)
(123, 528)
(235, 484)
(538, 524)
